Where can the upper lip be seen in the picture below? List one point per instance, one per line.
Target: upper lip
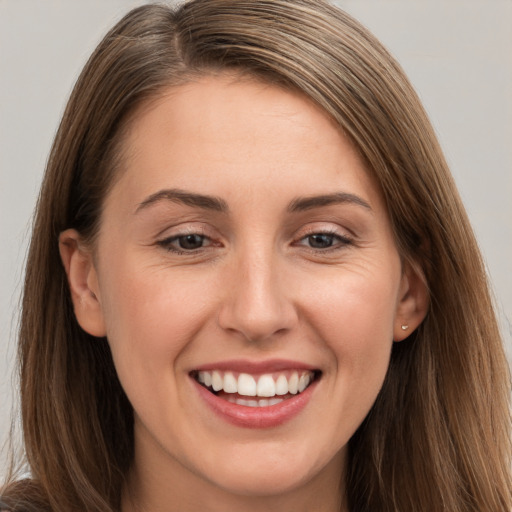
(256, 367)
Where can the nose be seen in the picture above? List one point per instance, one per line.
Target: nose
(257, 302)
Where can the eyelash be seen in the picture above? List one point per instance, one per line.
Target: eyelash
(338, 242)
(167, 243)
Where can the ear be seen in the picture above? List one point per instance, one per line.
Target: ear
(413, 302)
(83, 282)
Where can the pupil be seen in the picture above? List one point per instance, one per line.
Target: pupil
(320, 241)
(191, 241)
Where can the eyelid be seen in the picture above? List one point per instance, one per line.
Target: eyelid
(343, 238)
(171, 238)
(182, 229)
(167, 245)
(315, 228)
(170, 235)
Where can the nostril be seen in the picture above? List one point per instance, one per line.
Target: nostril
(257, 306)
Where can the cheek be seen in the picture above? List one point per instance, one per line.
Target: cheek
(151, 315)
(355, 319)
(355, 307)
(141, 302)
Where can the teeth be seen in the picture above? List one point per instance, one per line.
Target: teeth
(263, 402)
(267, 385)
(207, 379)
(303, 382)
(281, 385)
(293, 383)
(217, 381)
(246, 385)
(230, 384)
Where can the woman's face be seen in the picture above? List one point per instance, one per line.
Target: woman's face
(245, 247)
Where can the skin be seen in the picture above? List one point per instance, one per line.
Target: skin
(255, 290)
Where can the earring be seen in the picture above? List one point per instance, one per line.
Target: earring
(405, 327)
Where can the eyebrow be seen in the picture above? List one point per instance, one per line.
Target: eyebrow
(187, 198)
(308, 203)
(217, 204)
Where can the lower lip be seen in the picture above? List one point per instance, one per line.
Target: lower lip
(256, 417)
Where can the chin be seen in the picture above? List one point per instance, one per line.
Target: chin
(273, 475)
(261, 483)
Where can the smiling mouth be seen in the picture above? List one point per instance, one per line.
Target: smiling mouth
(249, 390)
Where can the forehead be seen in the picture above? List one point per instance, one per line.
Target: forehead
(224, 131)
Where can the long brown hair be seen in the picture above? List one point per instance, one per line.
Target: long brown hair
(438, 436)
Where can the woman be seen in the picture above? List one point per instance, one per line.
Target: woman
(252, 284)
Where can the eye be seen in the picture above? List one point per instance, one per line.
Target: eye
(190, 242)
(185, 243)
(322, 241)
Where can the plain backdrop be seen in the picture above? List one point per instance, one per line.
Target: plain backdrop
(457, 53)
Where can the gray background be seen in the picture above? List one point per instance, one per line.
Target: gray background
(456, 52)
